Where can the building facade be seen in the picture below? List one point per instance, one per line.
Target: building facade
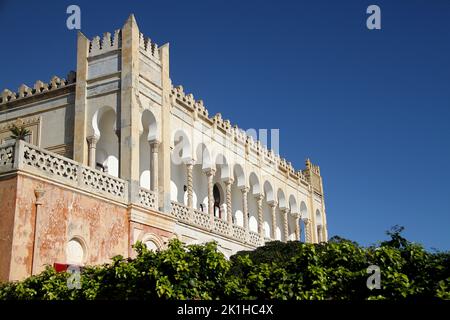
(117, 154)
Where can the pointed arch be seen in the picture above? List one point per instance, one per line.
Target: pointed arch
(281, 199)
(293, 207)
(203, 156)
(221, 164)
(239, 175)
(149, 125)
(148, 134)
(268, 191)
(107, 153)
(304, 210)
(254, 184)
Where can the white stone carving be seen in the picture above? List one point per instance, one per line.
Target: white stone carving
(180, 212)
(254, 239)
(201, 219)
(49, 162)
(147, 198)
(7, 155)
(99, 181)
(221, 226)
(239, 233)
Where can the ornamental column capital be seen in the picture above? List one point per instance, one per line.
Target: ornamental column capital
(245, 189)
(273, 204)
(228, 181)
(92, 140)
(154, 145)
(210, 171)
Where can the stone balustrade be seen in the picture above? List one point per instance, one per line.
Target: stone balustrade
(180, 212)
(6, 157)
(147, 198)
(201, 219)
(254, 239)
(217, 225)
(239, 233)
(221, 227)
(23, 156)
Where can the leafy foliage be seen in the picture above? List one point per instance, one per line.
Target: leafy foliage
(19, 132)
(293, 270)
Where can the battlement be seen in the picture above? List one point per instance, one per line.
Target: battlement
(148, 47)
(314, 168)
(111, 42)
(106, 44)
(39, 88)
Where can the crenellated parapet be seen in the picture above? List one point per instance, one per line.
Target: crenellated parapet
(39, 88)
(148, 47)
(112, 42)
(312, 174)
(105, 44)
(197, 108)
(189, 102)
(310, 166)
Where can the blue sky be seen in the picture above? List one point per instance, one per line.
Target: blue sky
(372, 108)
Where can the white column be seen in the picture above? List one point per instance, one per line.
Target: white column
(284, 213)
(273, 207)
(190, 186)
(92, 145)
(297, 227)
(154, 179)
(228, 184)
(319, 233)
(259, 199)
(245, 206)
(210, 175)
(308, 235)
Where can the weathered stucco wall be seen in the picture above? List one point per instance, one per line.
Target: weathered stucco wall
(7, 208)
(101, 226)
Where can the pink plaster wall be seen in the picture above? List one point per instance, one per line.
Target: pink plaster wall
(7, 208)
(64, 214)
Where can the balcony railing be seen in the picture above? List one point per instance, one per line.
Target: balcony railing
(239, 233)
(147, 198)
(201, 220)
(254, 239)
(217, 225)
(21, 155)
(221, 226)
(180, 212)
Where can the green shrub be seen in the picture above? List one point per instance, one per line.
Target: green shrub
(294, 270)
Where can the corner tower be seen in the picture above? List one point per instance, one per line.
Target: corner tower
(122, 108)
